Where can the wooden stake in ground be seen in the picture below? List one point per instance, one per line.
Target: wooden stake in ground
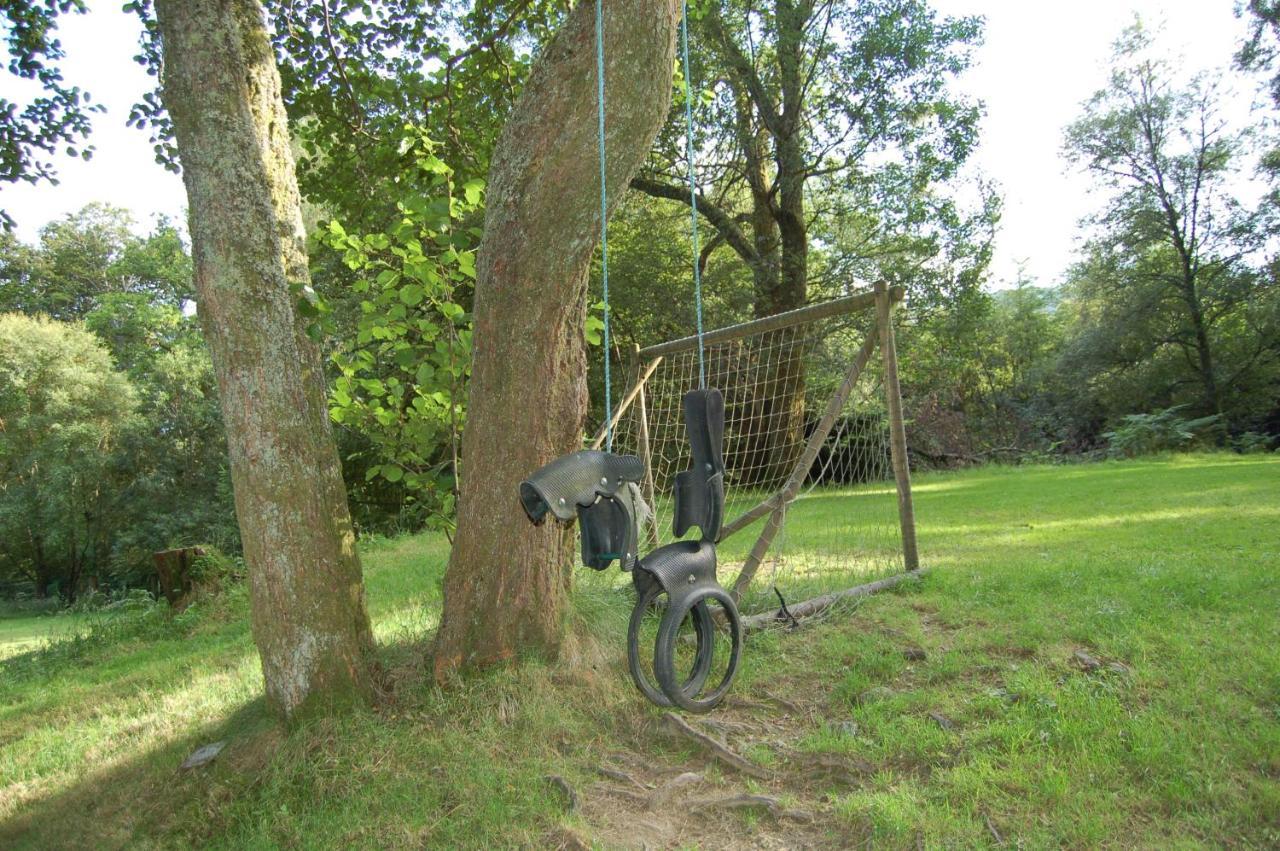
(507, 587)
(897, 427)
(222, 90)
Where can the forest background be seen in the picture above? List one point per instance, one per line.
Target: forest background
(815, 181)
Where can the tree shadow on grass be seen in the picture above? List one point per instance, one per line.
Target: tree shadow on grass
(995, 566)
(137, 800)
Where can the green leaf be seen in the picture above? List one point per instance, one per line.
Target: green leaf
(467, 263)
(412, 294)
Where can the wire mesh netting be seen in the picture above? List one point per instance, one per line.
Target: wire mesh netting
(840, 528)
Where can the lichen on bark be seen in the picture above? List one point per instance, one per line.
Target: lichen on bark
(222, 90)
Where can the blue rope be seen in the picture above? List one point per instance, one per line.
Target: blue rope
(693, 183)
(604, 227)
(604, 206)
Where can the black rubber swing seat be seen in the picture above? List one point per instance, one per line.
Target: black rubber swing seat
(699, 491)
(601, 490)
(648, 592)
(686, 570)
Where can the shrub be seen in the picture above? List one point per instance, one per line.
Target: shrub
(213, 568)
(1251, 442)
(1161, 431)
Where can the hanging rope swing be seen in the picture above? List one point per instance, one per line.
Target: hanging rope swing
(601, 490)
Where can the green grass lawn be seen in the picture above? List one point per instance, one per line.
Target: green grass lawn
(22, 634)
(987, 730)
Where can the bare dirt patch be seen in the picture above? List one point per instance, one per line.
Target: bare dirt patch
(734, 779)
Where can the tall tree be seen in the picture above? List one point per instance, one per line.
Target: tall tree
(175, 453)
(1171, 240)
(380, 95)
(802, 91)
(86, 255)
(222, 91)
(507, 585)
(63, 407)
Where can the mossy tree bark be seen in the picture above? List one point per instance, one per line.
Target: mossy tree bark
(507, 585)
(222, 90)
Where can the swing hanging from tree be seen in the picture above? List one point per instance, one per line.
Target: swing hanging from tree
(758, 392)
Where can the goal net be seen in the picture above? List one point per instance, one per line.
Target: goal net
(811, 498)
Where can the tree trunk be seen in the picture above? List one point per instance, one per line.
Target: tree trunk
(222, 90)
(71, 578)
(790, 151)
(1204, 357)
(753, 141)
(43, 570)
(783, 426)
(507, 586)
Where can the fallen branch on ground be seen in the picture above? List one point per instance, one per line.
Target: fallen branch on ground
(817, 605)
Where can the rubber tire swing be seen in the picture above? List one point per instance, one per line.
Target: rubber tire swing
(704, 629)
(693, 699)
(708, 498)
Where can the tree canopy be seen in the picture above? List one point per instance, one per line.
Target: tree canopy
(1166, 276)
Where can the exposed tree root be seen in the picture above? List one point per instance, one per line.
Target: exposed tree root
(749, 802)
(664, 792)
(718, 750)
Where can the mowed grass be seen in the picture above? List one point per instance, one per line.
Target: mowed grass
(22, 634)
(1164, 571)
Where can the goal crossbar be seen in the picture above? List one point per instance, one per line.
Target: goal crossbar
(854, 303)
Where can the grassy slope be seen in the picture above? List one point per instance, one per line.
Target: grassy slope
(1168, 567)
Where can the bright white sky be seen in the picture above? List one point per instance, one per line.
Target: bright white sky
(1039, 62)
(100, 48)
